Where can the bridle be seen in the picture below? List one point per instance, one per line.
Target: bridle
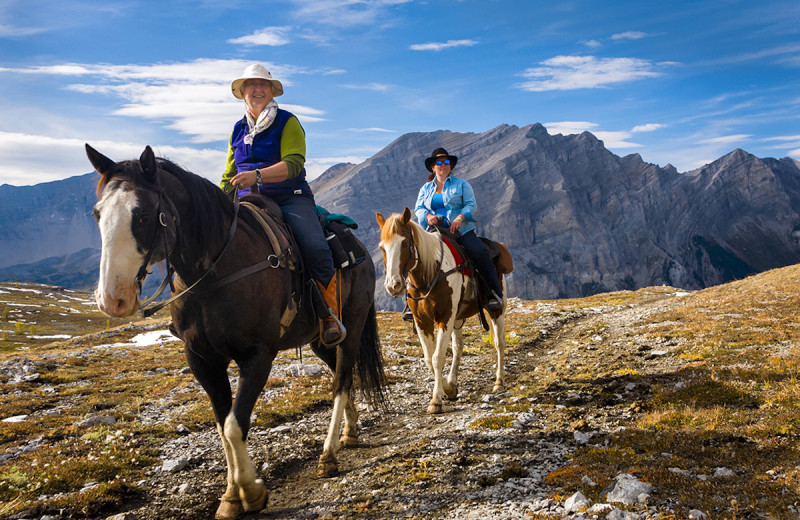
(160, 227)
(404, 272)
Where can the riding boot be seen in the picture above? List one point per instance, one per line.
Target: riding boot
(495, 303)
(332, 330)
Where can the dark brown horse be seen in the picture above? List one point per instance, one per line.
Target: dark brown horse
(151, 210)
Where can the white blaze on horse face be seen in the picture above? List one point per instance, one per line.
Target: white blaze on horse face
(120, 259)
(392, 250)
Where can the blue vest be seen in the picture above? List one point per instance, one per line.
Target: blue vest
(265, 151)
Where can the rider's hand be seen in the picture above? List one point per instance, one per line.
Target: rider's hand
(455, 225)
(432, 219)
(243, 180)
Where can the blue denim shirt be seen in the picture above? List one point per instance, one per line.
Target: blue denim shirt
(458, 199)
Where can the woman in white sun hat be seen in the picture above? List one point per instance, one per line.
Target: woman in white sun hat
(266, 154)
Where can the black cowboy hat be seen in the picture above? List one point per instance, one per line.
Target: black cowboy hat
(440, 153)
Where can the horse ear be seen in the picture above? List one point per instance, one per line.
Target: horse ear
(147, 161)
(406, 216)
(380, 219)
(102, 164)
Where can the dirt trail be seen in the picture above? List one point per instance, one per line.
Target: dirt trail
(408, 463)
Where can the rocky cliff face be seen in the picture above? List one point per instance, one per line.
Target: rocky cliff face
(580, 220)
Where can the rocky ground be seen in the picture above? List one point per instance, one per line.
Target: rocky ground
(455, 465)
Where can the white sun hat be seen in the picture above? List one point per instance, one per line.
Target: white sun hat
(255, 71)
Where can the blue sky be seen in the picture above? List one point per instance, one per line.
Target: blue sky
(680, 82)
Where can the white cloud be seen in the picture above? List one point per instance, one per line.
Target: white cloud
(593, 44)
(610, 139)
(785, 53)
(616, 139)
(377, 87)
(649, 127)
(629, 35)
(727, 139)
(373, 129)
(575, 72)
(345, 13)
(783, 138)
(193, 98)
(198, 71)
(10, 31)
(569, 127)
(67, 157)
(317, 166)
(440, 46)
(273, 36)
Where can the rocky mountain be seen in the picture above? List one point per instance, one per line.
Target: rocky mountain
(47, 220)
(578, 219)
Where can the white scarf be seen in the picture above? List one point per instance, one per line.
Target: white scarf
(266, 118)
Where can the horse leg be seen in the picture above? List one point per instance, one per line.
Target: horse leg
(341, 361)
(213, 377)
(498, 329)
(253, 373)
(439, 355)
(349, 437)
(457, 344)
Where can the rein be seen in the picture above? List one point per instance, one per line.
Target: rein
(170, 270)
(147, 312)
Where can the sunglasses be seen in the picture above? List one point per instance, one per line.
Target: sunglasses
(440, 162)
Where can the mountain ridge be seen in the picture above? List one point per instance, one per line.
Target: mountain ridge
(578, 219)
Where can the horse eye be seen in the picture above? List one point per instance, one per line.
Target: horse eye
(405, 245)
(96, 214)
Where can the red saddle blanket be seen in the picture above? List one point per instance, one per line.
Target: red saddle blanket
(457, 255)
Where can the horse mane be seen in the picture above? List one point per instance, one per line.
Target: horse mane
(428, 244)
(209, 204)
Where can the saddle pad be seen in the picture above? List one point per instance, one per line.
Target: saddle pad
(457, 255)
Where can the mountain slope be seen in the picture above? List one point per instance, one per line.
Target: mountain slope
(47, 220)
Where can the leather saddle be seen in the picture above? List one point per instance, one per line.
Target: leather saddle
(498, 251)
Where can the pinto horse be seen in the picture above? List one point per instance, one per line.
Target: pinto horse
(151, 210)
(441, 297)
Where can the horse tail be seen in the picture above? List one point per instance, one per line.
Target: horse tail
(370, 362)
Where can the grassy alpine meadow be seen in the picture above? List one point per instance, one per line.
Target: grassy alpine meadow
(707, 388)
(86, 401)
(695, 393)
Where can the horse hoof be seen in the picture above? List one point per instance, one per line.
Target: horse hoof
(498, 388)
(327, 469)
(348, 441)
(259, 503)
(452, 394)
(229, 509)
(435, 408)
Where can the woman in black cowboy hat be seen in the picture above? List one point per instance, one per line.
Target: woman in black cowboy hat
(449, 202)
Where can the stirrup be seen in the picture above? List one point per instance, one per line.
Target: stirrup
(406, 315)
(342, 332)
(495, 303)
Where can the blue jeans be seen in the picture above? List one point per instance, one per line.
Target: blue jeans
(479, 256)
(300, 213)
